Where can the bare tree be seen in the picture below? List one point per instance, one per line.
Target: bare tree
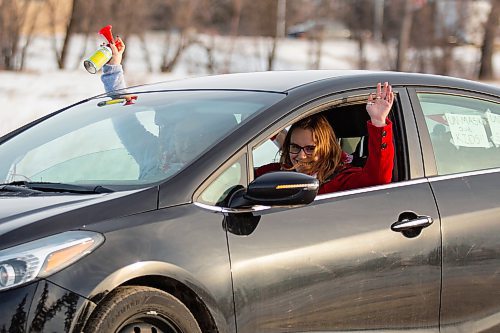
(86, 26)
(180, 19)
(210, 20)
(145, 51)
(359, 17)
(488, 45)
(426, 41)
(131, 17)
(70, 30)
(235, 27)
(174, 46)
(448, 34)
(404, 36)
(324, 13)
(260, 19)
(12, 18)
(57, 19)
(29, 35)
(210, 49)
(280, 24)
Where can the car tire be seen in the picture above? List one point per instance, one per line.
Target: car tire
(133, 309)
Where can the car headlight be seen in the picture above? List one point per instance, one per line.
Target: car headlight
(43, 257)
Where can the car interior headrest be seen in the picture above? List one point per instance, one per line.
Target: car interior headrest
(348, 121)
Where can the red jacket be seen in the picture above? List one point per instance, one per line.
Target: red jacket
(377, 170)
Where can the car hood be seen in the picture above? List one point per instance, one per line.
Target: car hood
(42, 215)
(15, 208)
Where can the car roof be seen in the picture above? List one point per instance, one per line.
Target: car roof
(284, 81)
(277, 81)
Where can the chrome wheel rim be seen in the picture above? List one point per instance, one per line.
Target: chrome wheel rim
(148, 323)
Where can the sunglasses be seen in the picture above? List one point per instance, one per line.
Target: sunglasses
(295, 149)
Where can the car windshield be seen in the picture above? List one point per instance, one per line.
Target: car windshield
(101, 142)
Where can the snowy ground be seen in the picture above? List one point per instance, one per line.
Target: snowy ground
(41, 88)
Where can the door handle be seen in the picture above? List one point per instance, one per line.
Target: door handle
(405, 224)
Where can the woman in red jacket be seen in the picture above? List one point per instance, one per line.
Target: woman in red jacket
(311, 147)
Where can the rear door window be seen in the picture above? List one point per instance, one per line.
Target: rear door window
(464, 131)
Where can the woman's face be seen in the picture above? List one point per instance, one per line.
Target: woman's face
(301, 147)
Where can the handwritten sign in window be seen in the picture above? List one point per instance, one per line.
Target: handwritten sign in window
(494, 121)
(467, 130)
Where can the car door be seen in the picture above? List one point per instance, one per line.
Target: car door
(462, 136)
(336, 265)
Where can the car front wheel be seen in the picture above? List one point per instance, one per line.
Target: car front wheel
(134, 309)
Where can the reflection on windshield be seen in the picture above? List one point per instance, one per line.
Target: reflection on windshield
(142, 143)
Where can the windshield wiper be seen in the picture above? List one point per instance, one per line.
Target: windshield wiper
(25, 186)
(17, 190)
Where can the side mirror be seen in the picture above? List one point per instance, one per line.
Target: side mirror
(280, 188)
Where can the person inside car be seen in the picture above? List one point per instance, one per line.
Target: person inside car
(112, 72)
(156, 156)
(310, 146)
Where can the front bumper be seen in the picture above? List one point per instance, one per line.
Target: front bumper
(42, 307)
